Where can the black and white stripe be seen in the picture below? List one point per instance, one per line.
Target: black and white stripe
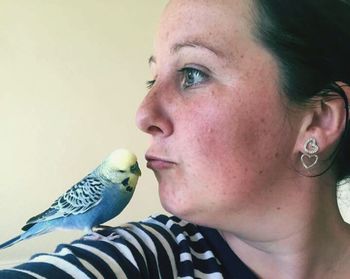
(159, 247)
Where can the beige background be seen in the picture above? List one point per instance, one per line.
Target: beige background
(72, 73)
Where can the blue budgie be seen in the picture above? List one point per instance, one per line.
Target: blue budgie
(97, 198)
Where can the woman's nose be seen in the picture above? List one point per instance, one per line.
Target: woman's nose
(153, 117)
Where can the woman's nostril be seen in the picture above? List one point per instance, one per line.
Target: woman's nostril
(154, 130)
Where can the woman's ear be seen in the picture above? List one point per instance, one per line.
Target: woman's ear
(325, 121)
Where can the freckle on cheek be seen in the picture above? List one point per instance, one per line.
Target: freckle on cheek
(277, 155)
(261, 172)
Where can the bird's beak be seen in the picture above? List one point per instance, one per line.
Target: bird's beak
(135, 169)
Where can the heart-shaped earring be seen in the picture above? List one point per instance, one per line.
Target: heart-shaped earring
(309, 161)
(309, 158)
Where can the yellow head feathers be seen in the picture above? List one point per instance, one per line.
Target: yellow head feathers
(121, 159)
(120, 166)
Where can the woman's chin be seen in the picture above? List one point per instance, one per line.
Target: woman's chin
(175, 205)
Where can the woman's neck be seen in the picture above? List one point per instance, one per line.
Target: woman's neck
(315, 246)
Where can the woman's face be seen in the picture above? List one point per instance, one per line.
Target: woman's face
(221, 142)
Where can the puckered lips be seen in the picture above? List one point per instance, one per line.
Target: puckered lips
(155, 162)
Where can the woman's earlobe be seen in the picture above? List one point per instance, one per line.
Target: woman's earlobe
(319, 134)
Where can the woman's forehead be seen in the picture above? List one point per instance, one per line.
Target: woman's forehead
(219, 26)
(203, 11)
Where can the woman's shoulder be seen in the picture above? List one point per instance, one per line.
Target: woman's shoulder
(158, 247)
(158, 226)
(157, 232)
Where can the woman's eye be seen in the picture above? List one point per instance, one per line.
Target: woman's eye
(192, 77)
(149, 83)
(189, 77)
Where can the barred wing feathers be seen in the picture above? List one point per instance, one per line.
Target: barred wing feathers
(83, 196)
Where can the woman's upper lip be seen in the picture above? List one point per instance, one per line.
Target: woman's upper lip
(149, 157)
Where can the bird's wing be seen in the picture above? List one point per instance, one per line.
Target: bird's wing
(83, 196)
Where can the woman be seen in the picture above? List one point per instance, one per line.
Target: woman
(248, 114)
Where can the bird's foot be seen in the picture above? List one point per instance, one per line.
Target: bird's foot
(96, 236)
(113, 236)
(93, 236)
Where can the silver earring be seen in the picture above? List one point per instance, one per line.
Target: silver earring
(309, 158)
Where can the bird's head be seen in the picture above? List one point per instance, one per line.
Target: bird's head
(121, 167)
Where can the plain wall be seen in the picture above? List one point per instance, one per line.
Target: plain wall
(72, 74)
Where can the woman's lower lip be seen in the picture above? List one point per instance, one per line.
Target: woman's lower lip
(159, 164)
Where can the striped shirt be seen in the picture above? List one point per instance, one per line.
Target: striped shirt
(159, 247)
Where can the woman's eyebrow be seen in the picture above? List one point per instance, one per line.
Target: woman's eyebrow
(193, 44)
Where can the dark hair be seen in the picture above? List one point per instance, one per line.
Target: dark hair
(310, 40)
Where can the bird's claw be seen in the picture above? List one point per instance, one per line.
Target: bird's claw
(93, 236)
(96, 236)
(112, 236)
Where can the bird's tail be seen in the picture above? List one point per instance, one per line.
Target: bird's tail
(36, 230)
(11, 242)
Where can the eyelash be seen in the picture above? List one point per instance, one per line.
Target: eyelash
(187, 73)
(149, 83)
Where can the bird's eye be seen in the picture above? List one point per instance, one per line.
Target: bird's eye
(125, 182)
(122, 171)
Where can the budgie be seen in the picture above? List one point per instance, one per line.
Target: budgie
(97, 198)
